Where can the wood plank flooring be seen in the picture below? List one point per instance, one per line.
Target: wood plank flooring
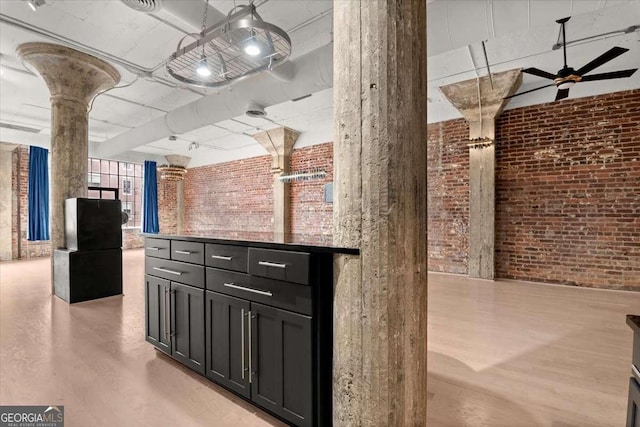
(510, 353)
(501, 353)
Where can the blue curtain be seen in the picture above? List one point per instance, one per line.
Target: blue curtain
(150, 222)
(38, 194)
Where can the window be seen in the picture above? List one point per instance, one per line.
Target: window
(110, 179)
(126, 186)
(94, 179)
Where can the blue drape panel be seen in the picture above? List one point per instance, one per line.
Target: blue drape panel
(38, 194)
(150, 223)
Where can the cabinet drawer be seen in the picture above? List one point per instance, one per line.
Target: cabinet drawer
(187, 251)
(176, 271)
(289, 296)
(226, 256)
(279, 265)
(158, 248)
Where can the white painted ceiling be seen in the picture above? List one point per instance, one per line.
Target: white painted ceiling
(518, 34)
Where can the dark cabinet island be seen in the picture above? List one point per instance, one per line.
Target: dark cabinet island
(255, 317)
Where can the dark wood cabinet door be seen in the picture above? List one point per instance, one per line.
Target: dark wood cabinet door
(281, 364)
(633, 411)
(157, 312)
(187, 325)
(226, 328)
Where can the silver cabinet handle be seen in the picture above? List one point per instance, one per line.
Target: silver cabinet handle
(255, 291)
(250, 347)
(224, 258)
(242, 338)
(167, 315)
(164, 270)
(272, 264)
(153, 248)
(635, 371)
(183, 252)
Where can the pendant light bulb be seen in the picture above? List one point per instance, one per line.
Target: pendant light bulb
(252, 49)
(203, 68)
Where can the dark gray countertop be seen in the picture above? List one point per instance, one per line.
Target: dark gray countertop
(307, 243)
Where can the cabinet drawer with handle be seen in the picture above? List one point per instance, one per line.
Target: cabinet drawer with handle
(228, 257)
(289, 296)
(187, 251)
(157, 248)
(176, 271)
(279, 265)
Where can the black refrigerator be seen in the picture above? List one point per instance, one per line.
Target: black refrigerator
(90, 267)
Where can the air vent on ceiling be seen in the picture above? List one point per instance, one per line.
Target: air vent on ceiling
(255, 110)
(146, 6)
(18, 127)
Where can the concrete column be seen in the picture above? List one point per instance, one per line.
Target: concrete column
(380, 302)
(481, 101)
(6, 201)
(279, 143)
(180, 208)
(74, 79)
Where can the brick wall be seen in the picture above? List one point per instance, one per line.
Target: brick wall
(448, 196)
(238, 196)
(310, 214)
(567, 193)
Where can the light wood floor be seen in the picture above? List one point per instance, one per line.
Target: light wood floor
(510, 353)
(500, 354)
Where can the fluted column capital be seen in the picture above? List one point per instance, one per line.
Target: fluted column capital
(70, 75)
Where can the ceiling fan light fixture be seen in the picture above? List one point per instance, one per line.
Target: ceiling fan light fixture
(566, 85)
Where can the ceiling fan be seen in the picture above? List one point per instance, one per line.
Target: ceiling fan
(567, 76)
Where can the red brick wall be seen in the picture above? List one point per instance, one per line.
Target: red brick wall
(567, 193)
(238, 195)
(448, 196)
(310, 214)
(232, 196)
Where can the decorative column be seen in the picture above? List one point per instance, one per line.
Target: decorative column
(178, 164)
(481, 101)
(74, 79)
(279, 143)
(380, 191)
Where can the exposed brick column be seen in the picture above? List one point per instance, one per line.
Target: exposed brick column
(380, 151)
(481, 104)
(279, 143)
(74, 79)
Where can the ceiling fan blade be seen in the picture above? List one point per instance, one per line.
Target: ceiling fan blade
(612, 53)
(611, 75)
(538, 72)
(562, 94)
(531, 90)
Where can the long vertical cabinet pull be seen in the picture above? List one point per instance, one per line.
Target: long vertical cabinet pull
(172, 298)
(167, 326)
(242, 338)
(250, 347)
